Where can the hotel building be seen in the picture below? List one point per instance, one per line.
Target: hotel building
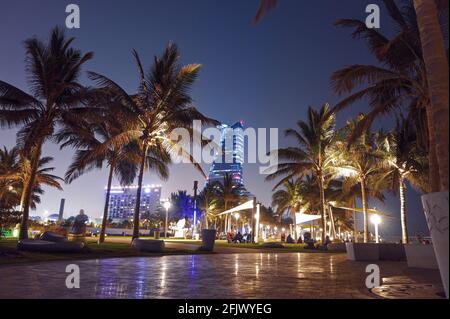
(123, 200)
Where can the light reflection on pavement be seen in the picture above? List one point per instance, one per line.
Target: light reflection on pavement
(256, 275)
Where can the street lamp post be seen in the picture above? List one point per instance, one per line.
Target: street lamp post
(376, 220)
(167, 207)
(257, 225)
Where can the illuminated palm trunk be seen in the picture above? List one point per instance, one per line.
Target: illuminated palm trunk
(322, 207)
(28, 192)
(405, 238)
(364, 206)
(105, 210)
(137, 208)
(434, 53)
(355, 222)
(295, 226)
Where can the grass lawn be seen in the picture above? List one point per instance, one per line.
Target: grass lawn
(9, 254)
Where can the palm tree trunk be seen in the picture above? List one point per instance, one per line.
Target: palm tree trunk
(405, 238)
(364, 205)
(105, 210)
(322, 207)
(137, 208)
(295, 227)
(433, 163)
(226, 220)
(355, 222)
(28, 190)
(206, 220)
(436, 63)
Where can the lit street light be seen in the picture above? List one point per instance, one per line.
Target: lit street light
(167, 207)
(376, 220)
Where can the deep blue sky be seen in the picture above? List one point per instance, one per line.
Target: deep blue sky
(266, 75)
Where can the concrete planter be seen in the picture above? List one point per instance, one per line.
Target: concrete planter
(392, 252)
(208, 239)
(436, 209)
(421, 256)
(362, 251)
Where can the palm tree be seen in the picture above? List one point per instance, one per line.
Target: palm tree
(209, 202)
(9, 197)
(360, 159)
(404, 161)
(435, 55)
(161, 105)
(87, 137)
(347, 189)
(289, 199)
(182, 205)
(53, 71)
(400, 81)
(314, 154)
(15, 172)
(229, 192)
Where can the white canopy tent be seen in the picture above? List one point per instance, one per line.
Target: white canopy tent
(301, 218)
(247, 205)
(251, 204)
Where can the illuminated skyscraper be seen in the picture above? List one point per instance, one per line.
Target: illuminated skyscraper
(123, 200)
(232, 157)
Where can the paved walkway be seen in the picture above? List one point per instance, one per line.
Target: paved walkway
(253, 275)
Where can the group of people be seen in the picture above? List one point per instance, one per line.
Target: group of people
(238, 238)
(307, 239)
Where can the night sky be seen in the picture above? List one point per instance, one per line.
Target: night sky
(266, 75)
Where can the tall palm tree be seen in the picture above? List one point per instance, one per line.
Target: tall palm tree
(314, 154)
(348, 189)
(87, 137)
(289, 199)
(53, 70)
(400, 81)
(209, 202)
(360, 159)
(161, 104)
(435, 56)
(404, 161)
(229, 192)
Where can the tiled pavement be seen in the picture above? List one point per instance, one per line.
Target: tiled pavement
(257, 275)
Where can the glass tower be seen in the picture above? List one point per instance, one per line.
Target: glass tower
(231, 159)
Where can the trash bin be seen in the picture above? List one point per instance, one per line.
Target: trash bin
(208, 239)
(157, 234)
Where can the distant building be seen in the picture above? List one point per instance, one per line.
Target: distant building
(123, 200)
(61, 209)
(52, 218)
(232, 157)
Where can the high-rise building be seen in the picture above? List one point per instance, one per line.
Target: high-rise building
(231, 159)
(123, 200)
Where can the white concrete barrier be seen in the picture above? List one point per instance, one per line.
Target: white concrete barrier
(421, 256)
